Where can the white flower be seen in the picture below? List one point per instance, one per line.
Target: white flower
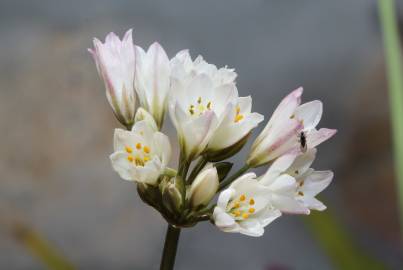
(244, 207)
(140, 155)
(184, 68)
(115, 61)
(293, 184)
(289, 122)
(282, 187)
(309, 182)
(198, 104)
(204, 187)
(205, 107)
(236, 125)
(153, 80)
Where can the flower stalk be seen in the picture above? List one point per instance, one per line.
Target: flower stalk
(170, 248)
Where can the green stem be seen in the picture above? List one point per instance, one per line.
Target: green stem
(388, 20)
(230, 179)
(170, 247)
(199, 166)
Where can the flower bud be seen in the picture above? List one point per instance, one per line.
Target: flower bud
(142, 114)
(204, 187)
(115, 61)
(172, 196)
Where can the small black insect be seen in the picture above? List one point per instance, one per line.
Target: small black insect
(302, 142)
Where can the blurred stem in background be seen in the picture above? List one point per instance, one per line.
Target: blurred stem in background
(388, 20)
(338, 244)
(40, 248)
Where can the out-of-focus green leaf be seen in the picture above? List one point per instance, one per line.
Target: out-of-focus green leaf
(338, 244)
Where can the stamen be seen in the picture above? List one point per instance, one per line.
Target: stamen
(238, 118)
(245, 215)
(301, 183)
(242, 198)
(237, 213)
(138, 146)
(199, 100)
(238, 109)
(252, 201)
(236, 205)
(300, 193)
(130, 158)
(146, 149)
(209, 105)
(129, 149)
(146, 158)
(251, 210)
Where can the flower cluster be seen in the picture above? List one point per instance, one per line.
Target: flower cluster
(213, 123)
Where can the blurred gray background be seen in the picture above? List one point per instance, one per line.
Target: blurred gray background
(57, 127)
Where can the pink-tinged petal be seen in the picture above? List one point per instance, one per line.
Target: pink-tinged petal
(283, 112)
(316, 137)
(309, 113)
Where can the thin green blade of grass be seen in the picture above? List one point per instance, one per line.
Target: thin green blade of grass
(393, 56)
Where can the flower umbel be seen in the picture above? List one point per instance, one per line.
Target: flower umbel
(213, 124)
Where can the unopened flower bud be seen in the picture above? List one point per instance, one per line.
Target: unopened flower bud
(172, 196)
(115, 61)
(204, 187)
(142, 114)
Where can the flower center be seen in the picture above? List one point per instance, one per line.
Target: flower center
(238, 116)
(242, 207)
(139, 155)
(199, 107)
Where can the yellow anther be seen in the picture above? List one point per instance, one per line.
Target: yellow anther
(242, 197)
(199, 100)
(236, 205)
(237, 213)
(209, 105)
(238, 118)
(252, 201)
(139, 161)
(245, 215)
(130, 158)
(251, 210)
(300, 193)
(146, 149)
(146, 158)
(201, 108)
(301, 183)
(238, 109)
(129, 149)
(138, 146)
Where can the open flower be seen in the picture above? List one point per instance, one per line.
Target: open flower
(235, 126)
(244, 207)
(196, 107)
(140, 155)
(282, 187)
(309, 182)
(115, 61)
(153, 80)
(291, 129)
(293, 184)
(204, 187)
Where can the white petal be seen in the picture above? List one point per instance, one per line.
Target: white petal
(122, 166)
(279, 166)
(310, 113)
(316, 137)
(161, 141)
